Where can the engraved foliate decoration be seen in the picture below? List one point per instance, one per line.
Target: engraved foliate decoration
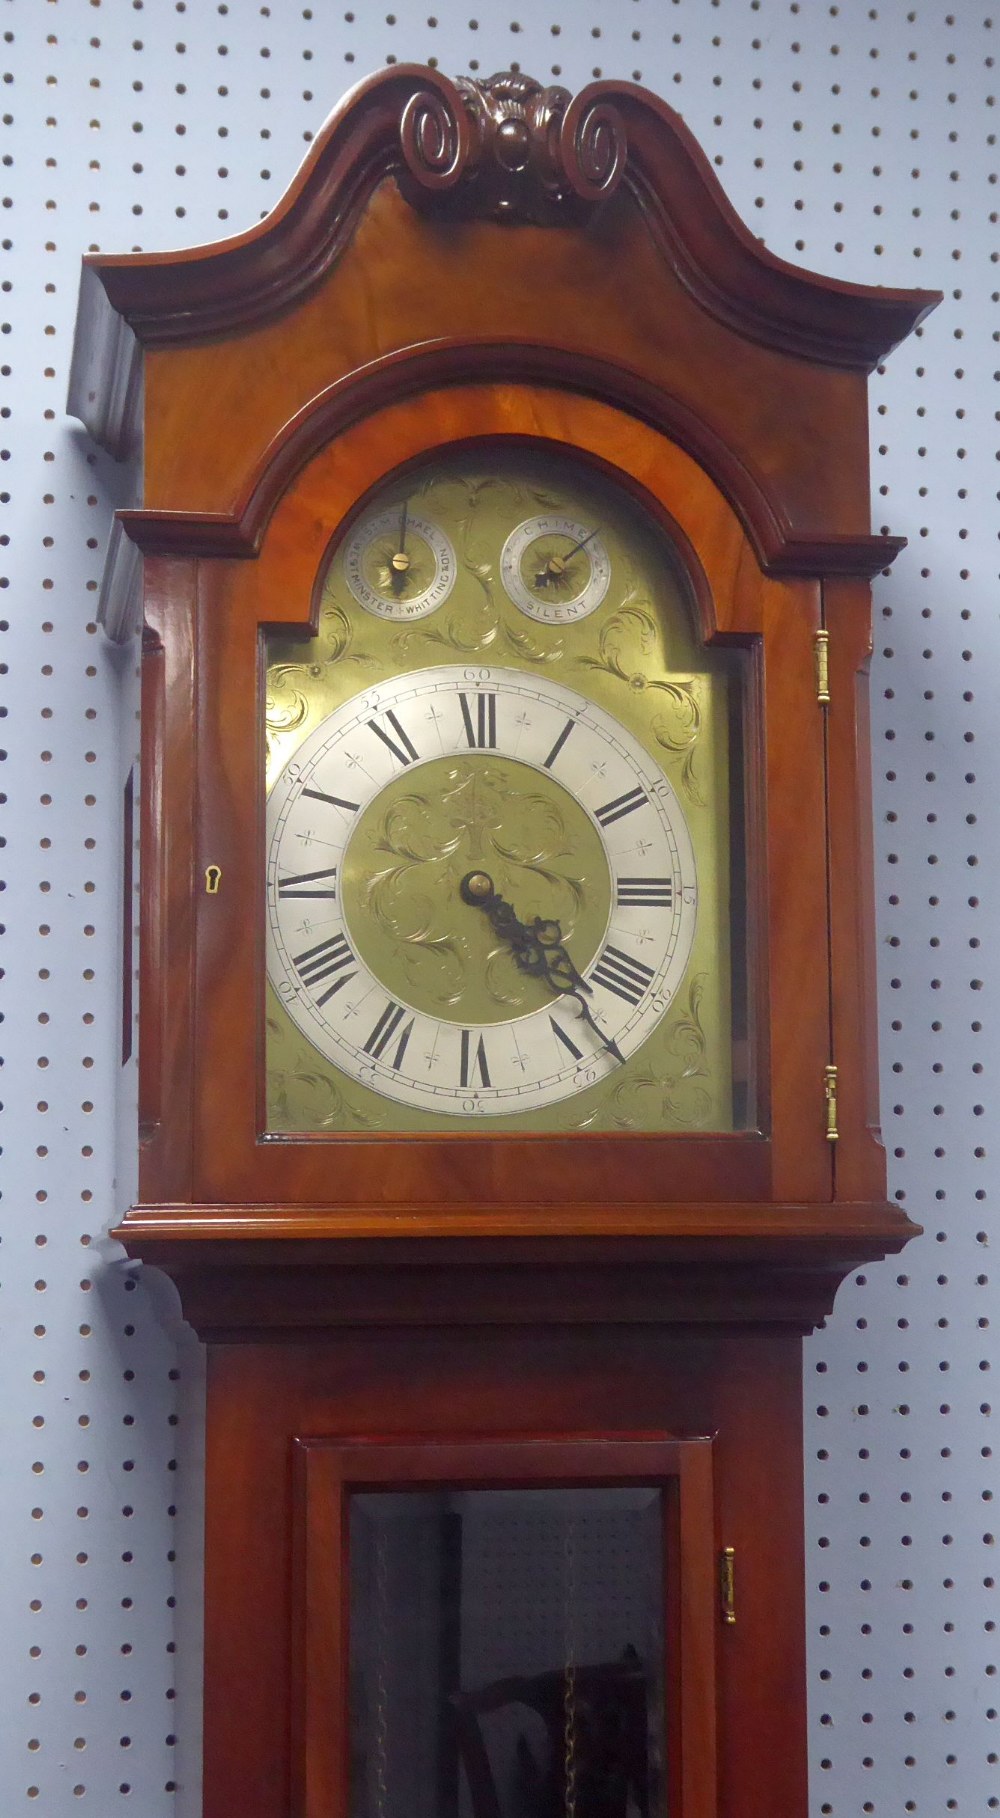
(624, 644)
(395, 800)
(511, 148)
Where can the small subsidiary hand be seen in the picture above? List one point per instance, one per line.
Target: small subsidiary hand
(537, 947)
(556, 565)
(401, 561)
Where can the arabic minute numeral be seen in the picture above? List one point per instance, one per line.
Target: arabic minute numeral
(472, 1061)
(383, 1032)
(405, 752)
(297, 887)
(327, 959)
(622, 805)
(626, 978)
(480, 733)
(645, 892)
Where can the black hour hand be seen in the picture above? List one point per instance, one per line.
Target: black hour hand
(537, 947)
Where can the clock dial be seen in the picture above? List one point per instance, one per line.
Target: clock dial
(398, 564)
(579, 752)
(377, 952)
(555, 569)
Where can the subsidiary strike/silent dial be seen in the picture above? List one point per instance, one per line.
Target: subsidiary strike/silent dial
(555, 569)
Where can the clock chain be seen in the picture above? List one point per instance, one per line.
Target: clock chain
(569, 1672)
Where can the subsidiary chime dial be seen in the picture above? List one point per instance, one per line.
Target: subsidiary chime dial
(498, 822)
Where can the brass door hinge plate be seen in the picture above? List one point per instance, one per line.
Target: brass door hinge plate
(830, 1094)
(727, 1585)
(821, 648)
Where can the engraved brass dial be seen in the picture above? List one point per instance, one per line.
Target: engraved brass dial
(581, 764)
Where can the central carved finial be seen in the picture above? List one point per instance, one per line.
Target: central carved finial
(513, 149)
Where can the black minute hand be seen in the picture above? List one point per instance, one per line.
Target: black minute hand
(537, 947)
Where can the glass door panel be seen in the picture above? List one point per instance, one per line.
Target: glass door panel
(507, 1653)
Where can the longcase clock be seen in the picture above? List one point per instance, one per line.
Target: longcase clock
(506, 1069)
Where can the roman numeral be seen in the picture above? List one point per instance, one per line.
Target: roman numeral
(293, 886)
(567, 1041)
(626, 978)
(560, 742)
(383, 1032)
(405, 751)
(326, 960)
(483, 735)
(622, 805)
(335, 801)
(645, 892)
(473, 1062)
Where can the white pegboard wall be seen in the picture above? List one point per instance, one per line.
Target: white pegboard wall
(858, 140)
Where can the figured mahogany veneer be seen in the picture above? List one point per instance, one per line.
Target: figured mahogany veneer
(456, 264)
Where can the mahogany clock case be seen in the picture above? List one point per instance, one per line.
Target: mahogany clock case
(498, 265)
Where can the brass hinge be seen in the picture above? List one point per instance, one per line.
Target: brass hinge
(727, 1585)
(821, 647)
(830, 1090)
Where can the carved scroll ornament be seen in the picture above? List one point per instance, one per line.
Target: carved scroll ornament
(512, 149)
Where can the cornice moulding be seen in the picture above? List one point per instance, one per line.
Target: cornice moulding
(507, 150)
